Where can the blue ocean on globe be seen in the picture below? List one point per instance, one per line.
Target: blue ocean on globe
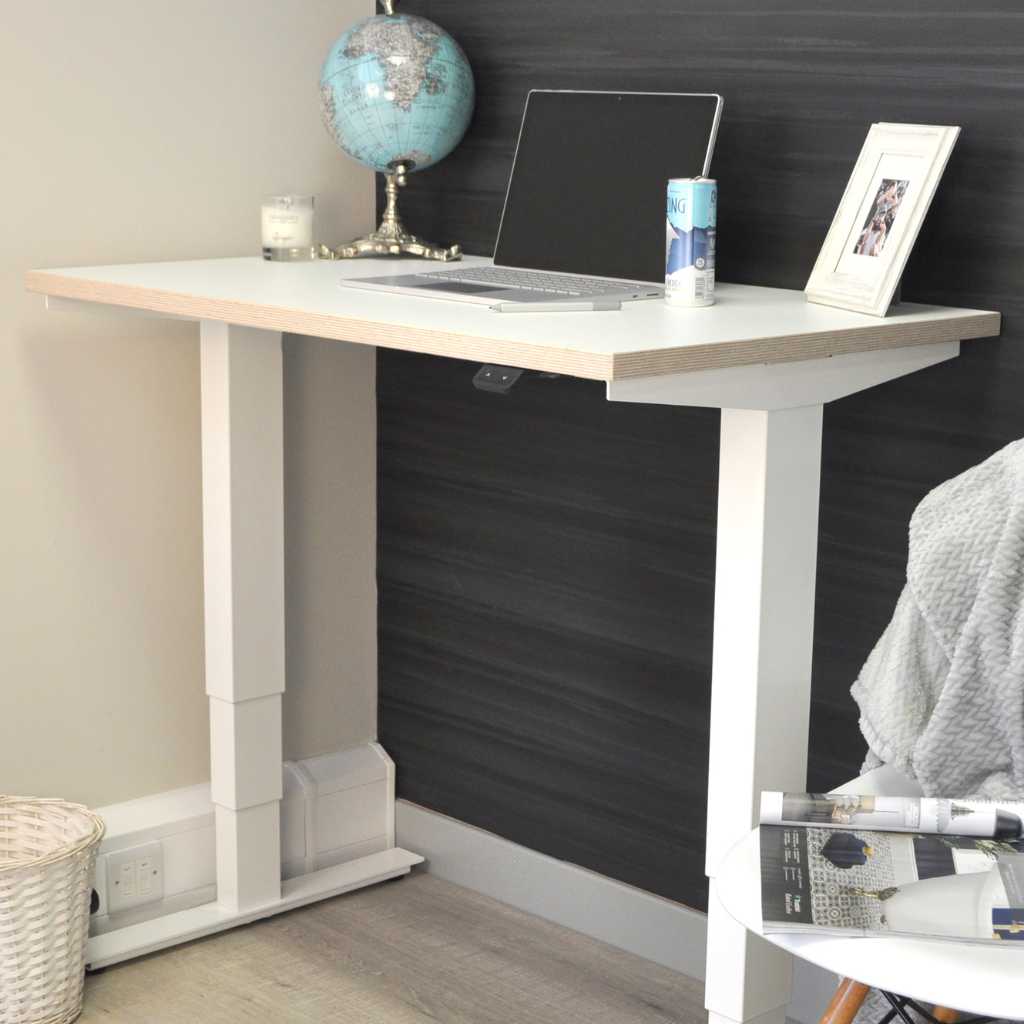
(396, 89)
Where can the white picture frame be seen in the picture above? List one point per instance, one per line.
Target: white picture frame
(882, 210)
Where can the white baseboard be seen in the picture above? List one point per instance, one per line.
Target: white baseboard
(631, 919)
(336, 809)
(658, 929)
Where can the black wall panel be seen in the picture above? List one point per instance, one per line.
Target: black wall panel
(547, 558)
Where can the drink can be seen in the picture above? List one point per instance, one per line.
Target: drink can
(690, 227)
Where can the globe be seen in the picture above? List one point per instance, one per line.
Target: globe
(396, 89)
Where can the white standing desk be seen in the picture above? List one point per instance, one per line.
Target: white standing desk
(763, 356)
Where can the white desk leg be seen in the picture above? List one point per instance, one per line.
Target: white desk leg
(768, 494)
(243, 578)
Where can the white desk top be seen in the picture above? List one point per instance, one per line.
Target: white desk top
(980, 979)
(746, 326)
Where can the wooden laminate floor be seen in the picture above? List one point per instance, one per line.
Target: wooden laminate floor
(408, 952)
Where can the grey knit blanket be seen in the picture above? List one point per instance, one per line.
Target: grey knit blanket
(941, 696)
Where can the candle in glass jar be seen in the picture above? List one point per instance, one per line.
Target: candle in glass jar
(287, 227)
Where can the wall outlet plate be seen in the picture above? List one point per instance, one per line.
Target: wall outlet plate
(135, 877)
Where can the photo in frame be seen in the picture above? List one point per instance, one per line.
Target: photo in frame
(882, 210)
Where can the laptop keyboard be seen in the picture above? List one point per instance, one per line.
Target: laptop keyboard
(532, 280)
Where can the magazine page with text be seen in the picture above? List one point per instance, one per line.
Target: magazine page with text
(854, 882)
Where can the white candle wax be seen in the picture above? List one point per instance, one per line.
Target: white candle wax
(287, 227)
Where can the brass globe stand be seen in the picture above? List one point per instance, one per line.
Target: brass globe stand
(391, 238)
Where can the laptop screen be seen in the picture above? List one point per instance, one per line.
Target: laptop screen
(587, 190)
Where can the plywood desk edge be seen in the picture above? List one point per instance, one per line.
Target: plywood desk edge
(324, 325)
(886, 334)
(586, 365)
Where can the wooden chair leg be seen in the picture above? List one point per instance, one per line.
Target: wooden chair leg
(946, 1016)
(849, 998)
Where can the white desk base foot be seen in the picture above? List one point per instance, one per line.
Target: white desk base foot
(768, 483)
(771, 1017)
(161, 932)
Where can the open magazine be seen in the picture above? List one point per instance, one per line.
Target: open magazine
(845, 864)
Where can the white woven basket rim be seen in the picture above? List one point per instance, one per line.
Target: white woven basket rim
(93, 836)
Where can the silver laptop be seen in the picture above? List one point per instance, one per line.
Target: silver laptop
(584, 214)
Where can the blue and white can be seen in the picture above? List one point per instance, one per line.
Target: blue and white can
(690, 227)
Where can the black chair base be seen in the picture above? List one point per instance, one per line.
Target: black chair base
(902, 1008)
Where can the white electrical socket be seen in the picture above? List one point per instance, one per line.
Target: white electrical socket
(135, 877)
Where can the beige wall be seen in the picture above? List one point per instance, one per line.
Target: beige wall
(141, 131)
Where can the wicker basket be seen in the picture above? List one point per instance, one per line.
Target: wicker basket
(47, 856)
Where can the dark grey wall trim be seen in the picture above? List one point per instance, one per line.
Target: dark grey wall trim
(546, 559)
